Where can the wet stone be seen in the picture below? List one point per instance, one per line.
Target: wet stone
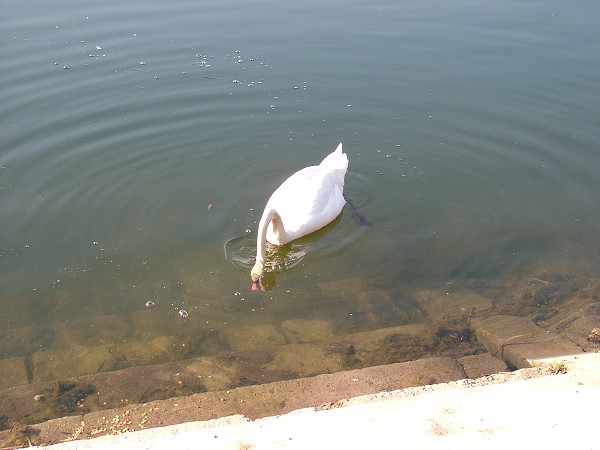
(161, 349)
(305, 360)
(76, 361)
(452, 303)
(580, 327)
(98, 330)
(342, 287)
(254, 337)
(377, 307)
(16, 341)
(12, 372)
(16, 312)
(519, 341)
(387, 345)
(476, 366)
(149, 322)
(301, 331)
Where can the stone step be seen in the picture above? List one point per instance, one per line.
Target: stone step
(323, 391)
(305, 357)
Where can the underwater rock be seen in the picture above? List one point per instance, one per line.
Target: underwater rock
(582, 327)
(12, 372)
(16, 341)
(76, 361)
(300, 331)
(16, 312)
(254, 337)
(142, 352)
(452, 303)
(305, 360)
(107, 329)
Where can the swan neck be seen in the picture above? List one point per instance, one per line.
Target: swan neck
(261, 239)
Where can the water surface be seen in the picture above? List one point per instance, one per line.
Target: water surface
(139, 138)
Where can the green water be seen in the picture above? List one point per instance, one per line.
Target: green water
(471, 129)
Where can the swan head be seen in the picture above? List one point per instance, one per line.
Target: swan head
(256, 274)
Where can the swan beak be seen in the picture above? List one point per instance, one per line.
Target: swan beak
(256, 285)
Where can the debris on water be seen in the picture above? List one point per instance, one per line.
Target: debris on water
(150, 304)
(142, 63)
(210, 206)
(66, 67)
(235, 81)
(183, 313)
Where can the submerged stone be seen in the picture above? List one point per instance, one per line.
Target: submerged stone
(12, 372)
(76, 361)
(254, 337)
(299, 331)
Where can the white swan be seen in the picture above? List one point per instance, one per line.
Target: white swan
(305, 202)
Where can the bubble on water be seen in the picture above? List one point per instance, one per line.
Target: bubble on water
(150, 304)
(183, 313)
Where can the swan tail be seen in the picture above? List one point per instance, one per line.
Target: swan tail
(336, 161)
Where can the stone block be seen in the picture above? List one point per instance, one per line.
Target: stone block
(12, 372)
(16, 312)
(477, 366)
(159, 350)
(305, 360)
(300, 331)
(16, 341)
(452, 304)
(519, 341)
(74, 362)
(109, 329)
(254, 337)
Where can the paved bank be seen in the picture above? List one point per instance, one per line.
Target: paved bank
(552, 411)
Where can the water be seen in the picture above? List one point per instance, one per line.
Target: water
(139, 138)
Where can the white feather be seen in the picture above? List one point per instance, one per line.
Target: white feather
(305, 202)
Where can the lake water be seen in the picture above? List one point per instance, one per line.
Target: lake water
(140, 139)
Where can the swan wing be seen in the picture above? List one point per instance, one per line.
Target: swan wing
(306, 202)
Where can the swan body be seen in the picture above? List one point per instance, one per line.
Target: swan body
(305, 202)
